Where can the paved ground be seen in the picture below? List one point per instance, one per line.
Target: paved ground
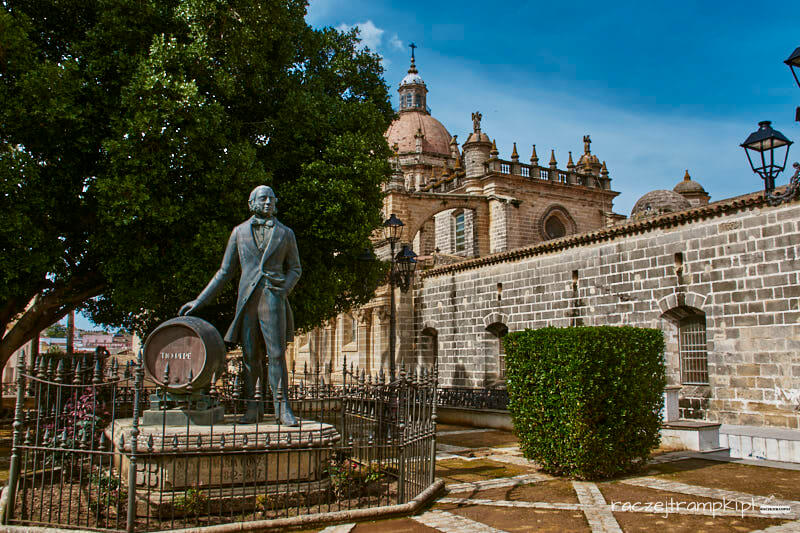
(492, 488)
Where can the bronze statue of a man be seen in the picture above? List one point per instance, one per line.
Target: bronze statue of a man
(266, 252)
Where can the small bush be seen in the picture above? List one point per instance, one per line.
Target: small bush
(585, 401)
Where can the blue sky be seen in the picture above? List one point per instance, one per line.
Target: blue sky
(661, 87)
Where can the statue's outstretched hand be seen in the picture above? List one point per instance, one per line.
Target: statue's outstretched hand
(188, 308)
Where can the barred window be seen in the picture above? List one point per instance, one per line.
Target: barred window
(505, 168)
(526, 172)
(693, 350)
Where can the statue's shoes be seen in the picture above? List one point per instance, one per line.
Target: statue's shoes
(288, 420)
(250, 417)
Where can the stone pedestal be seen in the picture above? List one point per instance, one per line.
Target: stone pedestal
(226, 464)
(182, 417)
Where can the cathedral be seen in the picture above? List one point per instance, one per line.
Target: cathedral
(504, 245)
(458, 203)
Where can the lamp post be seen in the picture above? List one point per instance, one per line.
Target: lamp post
(400, 275)
(771, 150)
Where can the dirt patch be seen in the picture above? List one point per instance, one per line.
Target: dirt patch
(644, 522)
(401, 525)
(557, 490)
(519, 519)
(483, 439)
(460, 470)
(760, 480)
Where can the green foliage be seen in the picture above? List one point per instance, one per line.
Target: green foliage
(585, 401)
(108, 495)
(133, 131)
(56, 330)
(193, 501)
(352, 479)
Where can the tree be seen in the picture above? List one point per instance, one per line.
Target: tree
(56, 330)
(131, 132)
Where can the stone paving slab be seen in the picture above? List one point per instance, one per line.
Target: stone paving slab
(719, 494)
(600, 518)
(451, 523)
(498, 483)
(552, 506)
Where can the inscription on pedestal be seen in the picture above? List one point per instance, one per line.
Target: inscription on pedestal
(176, 473)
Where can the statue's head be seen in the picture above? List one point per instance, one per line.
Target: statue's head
(263, 202)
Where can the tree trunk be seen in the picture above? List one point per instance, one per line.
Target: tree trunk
(71, 333)
(45, 309)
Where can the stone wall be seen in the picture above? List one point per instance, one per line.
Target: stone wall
(736, 261)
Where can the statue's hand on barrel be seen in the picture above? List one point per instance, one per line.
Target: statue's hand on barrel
(188, 308)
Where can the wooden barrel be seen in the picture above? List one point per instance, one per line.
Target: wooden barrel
(190, 345)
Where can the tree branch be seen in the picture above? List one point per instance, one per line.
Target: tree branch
(48, 308)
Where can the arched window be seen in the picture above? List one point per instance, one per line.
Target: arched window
(556, 222)
(499, 330)
(429, 347)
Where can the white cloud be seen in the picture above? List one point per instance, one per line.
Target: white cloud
(371, 35)
(395, 42)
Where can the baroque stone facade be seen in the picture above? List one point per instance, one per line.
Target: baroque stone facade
(505, 245)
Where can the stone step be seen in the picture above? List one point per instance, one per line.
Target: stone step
(695, 435)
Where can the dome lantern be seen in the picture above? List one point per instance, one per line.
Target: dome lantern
(413, 92)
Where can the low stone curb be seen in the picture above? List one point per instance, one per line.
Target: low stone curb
(353, 515)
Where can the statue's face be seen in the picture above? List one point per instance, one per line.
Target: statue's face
(264, 203)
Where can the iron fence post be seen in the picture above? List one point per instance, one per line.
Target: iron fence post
(13, 475)
(434, 418)
(137, 386)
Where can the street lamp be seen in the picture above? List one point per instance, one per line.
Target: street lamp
(794, 65)
(771, 151)
(402, 271)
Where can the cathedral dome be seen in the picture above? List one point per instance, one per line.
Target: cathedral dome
(404, 129)
(659, 202)
(687, 185)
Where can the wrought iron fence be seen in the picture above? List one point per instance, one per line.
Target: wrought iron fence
(469, 398)
(84, 458)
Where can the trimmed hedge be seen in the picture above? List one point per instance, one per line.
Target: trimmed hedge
(585, 401)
